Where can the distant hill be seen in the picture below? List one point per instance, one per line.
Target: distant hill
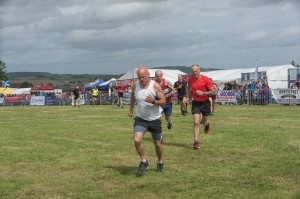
(66, 81)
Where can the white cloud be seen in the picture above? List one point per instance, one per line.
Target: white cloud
(71, 10)
(254, 36)
(112, 36)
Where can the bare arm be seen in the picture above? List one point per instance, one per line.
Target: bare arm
(160, 95)
(132, 101)
(170, 86)
(211, 91)
(188, 92)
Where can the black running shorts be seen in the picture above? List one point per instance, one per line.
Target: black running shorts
(201, 107)
(141, 125)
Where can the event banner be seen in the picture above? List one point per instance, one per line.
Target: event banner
(126, 82)
(287, 96)
(13, 99)
(50, 100)
(37, 101)
(126, 98)
(226, 96)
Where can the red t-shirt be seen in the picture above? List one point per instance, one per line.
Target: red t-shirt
(120, 89)
(203, 84)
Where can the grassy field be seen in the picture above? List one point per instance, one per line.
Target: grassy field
(88, 152)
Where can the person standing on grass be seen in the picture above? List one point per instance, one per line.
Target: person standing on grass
(180, 87)
(120, 90)
(95, 94)
(201, 87)
(76, 92)
(168, 92)
(148, 97)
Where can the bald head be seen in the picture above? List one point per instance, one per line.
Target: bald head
(195, 66)
(159, 76)
(158, 73)
(196, 70)
(142, 70)
(143, 75)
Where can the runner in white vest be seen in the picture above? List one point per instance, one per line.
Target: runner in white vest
(148, 97)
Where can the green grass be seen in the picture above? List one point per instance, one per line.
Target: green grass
(88, 152)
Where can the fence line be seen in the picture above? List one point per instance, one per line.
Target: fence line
(255, 97)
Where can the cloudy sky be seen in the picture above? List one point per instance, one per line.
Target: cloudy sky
(113, 36)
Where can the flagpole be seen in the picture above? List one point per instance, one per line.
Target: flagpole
(256, 62)
(256, 71)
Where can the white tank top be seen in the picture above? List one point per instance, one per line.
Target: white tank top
(145, 110)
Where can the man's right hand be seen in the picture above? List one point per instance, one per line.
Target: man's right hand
(130, 113)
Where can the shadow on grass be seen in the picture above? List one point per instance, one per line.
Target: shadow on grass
(127, 171)
(169, 143)
(123, 170)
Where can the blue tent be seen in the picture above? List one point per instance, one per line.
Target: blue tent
(96, 83)
(105, 85)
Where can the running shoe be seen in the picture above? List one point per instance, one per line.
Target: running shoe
(169, 125)
(196, 146)
(159, 167)
(206, 129)
(142, 167)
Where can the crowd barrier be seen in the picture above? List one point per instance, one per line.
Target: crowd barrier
(259, 97)
(256, 97)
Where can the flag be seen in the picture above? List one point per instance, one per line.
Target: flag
(5, 83)
(256, 71)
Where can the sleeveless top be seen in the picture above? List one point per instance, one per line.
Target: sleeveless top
(145, 110)
(95, 92)
(167, 90)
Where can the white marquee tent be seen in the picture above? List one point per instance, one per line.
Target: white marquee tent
(171, 75)
(20, 91)
(277, 76)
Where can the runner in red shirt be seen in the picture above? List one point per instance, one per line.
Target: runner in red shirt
(201, 87)
(120, 90)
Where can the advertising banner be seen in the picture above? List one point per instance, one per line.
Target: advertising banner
(125, 82)
(50, 100)
(287, 96)
(126, 98)
(37, 101)
(226, 96)
(13, 99)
